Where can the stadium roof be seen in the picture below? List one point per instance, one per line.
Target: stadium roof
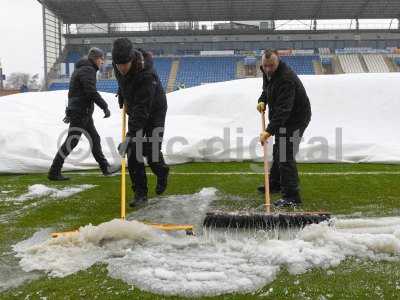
(131, 11)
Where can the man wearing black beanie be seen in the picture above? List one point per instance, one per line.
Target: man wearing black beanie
(143, 96)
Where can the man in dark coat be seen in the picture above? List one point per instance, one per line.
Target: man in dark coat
(141, 91)
(289, 113)
(82, 96)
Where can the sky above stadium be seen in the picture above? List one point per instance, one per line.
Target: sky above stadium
(21, 46)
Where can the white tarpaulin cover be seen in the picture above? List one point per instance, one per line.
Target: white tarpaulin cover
(355, 119)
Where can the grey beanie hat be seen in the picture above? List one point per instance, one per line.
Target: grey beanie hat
(95, 53)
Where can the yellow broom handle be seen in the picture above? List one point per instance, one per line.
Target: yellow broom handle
(266, 169)
(123, 167)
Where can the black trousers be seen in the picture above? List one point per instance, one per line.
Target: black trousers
(283, 173)
(147, 144)
(80, 124)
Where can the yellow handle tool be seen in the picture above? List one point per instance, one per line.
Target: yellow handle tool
(267, 203)
(123, 168)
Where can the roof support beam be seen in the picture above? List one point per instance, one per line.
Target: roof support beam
(361, 9)
(187, 11)
(166, 10)
(209, 9)
(122, 10)
(275, 7)
(103, 14)
(317, 9)
(144, 11)
(229, 9)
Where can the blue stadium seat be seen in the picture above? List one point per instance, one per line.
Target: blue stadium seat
(73, 57)
(163, 68)
(110, 86)
(56, 86)
(195, 71)
(302, 65)
(326, 60)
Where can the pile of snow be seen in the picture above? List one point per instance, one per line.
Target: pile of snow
(41, 190)
(217, 122)
(211, 264)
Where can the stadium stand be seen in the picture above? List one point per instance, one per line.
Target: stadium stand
(324, 51)
(302, 65)
(163, 67)
(375, 63)
(73, 57)
(350, 63)
(326, 59)
(396, 58)
(110, 86)
(56, 86)
(198, 70)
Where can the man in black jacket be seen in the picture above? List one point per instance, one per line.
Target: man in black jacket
(289, 113)
(82, 96)
(141, 91)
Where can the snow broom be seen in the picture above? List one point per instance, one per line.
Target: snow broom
(165, 227)
(264, 219)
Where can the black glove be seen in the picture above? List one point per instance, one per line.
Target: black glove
(123, 147)
(120, 101)
(107, 113)
(66, 120)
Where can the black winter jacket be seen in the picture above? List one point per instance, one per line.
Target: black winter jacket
(143, 95)
(287, 100)
(82, 89)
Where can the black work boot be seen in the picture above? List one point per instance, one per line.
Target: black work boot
(289, 201)
(162, 182)
(109, 170)
(55, 175)
(272, 189)
(138, 201)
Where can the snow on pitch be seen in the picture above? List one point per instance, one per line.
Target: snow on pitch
(41, 190)
(214, 263)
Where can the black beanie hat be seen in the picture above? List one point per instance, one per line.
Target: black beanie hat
(122, 51)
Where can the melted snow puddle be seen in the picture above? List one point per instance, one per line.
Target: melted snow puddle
(7, 192)
(183, 209)
(214, 263)
(11, 274)
(41, 190)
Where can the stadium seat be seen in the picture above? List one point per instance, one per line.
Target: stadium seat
(350, 63)
(302, 65)
(73, 57)
(163, 68)
(195, 71)
(56, 86)
(375, 63)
